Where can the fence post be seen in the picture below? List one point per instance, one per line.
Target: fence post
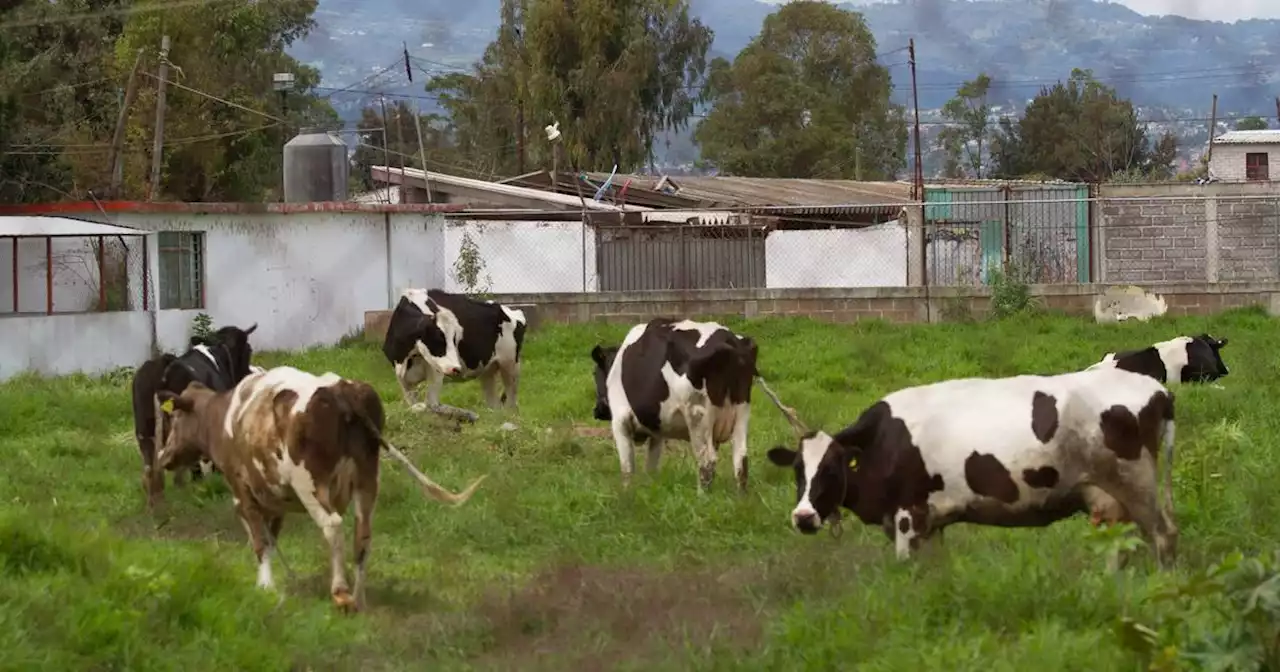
(15, 274)
(102, 277)
(916, 245)
(48, 276)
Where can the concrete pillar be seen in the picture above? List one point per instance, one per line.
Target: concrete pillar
(913, 217)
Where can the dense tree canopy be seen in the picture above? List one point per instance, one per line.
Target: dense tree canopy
(806, 98)
(1080, 130)
(62, 78)
(613, 74)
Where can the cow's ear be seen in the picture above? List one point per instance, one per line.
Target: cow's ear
(170, 402)
(1222, 343)
(783, 457)
(252, 328)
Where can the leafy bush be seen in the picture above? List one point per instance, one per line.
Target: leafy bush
(1010, 292)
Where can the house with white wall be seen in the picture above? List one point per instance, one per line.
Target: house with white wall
(1246, 156)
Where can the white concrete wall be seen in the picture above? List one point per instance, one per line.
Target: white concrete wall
(56, 345)
(305, 279)
(75, 275)
(1227, 163)
(525, 257)
(872, 257)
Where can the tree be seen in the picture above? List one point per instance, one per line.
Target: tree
(1251, 124)
(220, 149)
(401, 139)
(805, 98)
(966, 114)
(615, 75)
(1080, 130)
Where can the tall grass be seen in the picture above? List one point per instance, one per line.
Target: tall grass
(552, 565)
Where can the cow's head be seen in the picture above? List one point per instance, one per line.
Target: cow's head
(603, 356)
(236, 341)
(1204, 359)
(822, 478)
(822, 471)
(185, 443)
(438, 335)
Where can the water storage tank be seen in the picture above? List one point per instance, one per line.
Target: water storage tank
(315, 167)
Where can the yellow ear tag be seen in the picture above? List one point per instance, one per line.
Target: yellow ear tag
(853, 463)
(167, 406)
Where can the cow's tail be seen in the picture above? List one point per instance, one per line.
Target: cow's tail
(1167, 468)
(434, 490)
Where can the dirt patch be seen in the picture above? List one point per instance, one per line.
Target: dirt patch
(586, 431)
(594, 617)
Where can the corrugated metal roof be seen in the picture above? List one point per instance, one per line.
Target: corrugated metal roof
(39, 227)
(1266, 137)
(818, 195)
(538, 195)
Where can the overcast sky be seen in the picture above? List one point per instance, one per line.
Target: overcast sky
(1217, 10)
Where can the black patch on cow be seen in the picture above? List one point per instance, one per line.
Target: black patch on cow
(1044, 416)
(890, 472)
(1058, 507)
(603, 356)
(1040, 477)
(986, 476)
(1204, 360)
(408, 326)
(1146, 361)
(724, 365)
(1126, 435)
(481, 323)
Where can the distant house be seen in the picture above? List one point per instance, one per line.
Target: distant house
(1245, 156)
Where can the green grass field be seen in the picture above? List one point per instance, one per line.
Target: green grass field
(551, 565)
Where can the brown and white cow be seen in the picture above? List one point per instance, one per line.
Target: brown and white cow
(1024, 451)
(287, 440)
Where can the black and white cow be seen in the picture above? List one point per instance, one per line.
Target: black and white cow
(1185, 359)
(218, 361)
(434, 335)
(1024, 451)
(682, 380)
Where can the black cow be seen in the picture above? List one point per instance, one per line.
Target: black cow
(434, 334)
(682, 380)
(218, 361)
(1185, 359)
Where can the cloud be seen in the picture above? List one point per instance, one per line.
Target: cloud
(1215, 10)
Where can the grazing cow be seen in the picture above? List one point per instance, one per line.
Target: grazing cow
(434, 334)
(218, 361)
(1185, 359)
(682, 380)
(1024, 451)
(287, 440)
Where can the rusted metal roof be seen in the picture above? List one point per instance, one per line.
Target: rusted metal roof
(801, 195)
(1260, 137)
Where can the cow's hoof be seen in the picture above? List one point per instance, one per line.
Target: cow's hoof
(345, 602)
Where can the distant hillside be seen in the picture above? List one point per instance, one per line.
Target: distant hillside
(1165, 62)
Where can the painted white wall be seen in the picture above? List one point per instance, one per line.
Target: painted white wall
(525, 257)
(57, 345)
(1227, 163)
(875, 256)
(305, 279)
(75, 275)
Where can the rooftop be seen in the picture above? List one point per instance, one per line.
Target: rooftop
(35, 226)
(1265, 137)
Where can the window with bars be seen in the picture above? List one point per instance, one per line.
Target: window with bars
(181, 270)
(1255, 166)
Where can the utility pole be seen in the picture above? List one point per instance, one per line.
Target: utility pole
(918, 181)
(1213, 126)
(157, 146)
(519, 135)
(1277, 109)
(386, 149)
(117, 140)
(422, 152)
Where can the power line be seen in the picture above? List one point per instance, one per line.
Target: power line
(214, 98)
(98, 148)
